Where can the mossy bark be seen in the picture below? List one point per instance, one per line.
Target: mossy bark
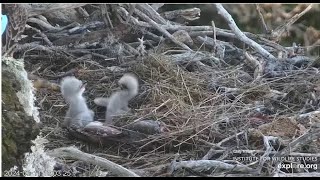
(18, 129)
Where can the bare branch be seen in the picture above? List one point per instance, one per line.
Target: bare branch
(205, 165)
(36, 9)
(228, 18)
(42, 24)
(150, 12)
(264, 25)
(105, 15)
(159, 28)
(75, 153)
(257, 66)
(190, 14)
(282, 28)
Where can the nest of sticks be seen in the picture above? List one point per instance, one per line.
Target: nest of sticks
(224, 110)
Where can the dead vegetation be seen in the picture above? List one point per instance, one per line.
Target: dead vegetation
(225, 106)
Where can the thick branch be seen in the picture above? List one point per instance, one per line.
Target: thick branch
(159, 28)
(240, 35)
(205, 165)
(46, 8)
(74, 153)
(189, 14)
(150, 12)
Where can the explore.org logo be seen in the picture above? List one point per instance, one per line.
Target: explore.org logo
(297, 165)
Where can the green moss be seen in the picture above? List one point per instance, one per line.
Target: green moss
(9, 88)
(18, 129)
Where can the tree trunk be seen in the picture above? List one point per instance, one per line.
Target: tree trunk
(18, 128)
